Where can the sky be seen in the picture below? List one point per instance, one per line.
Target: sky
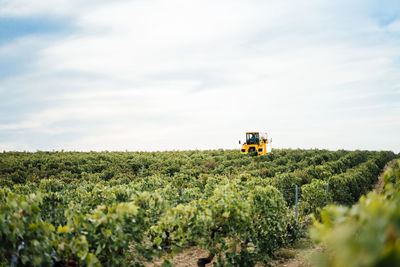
(153, 75)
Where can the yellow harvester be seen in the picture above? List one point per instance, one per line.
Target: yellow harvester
(256, 143)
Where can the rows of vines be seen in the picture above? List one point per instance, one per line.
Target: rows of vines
(367, 234)
(123, 208)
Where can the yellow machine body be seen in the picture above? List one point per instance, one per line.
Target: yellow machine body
(255, 143)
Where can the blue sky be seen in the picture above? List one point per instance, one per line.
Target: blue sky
(163, 75)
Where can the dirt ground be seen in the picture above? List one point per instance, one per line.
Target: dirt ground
(186, 258)
(300, 255)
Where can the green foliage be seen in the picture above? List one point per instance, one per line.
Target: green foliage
(346, 188)
(229, 225)
(367, 234)
(313, 197)
(25, 237)
(391, 178)
(69, 167)
(104, 232)
(272, 223)
(117, 208)
(286, 183)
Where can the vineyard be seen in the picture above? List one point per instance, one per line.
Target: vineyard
(130, 208)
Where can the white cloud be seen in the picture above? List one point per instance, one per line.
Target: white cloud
(22, 8)
(198, 74)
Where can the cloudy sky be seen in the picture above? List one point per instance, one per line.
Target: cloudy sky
(183, 74)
